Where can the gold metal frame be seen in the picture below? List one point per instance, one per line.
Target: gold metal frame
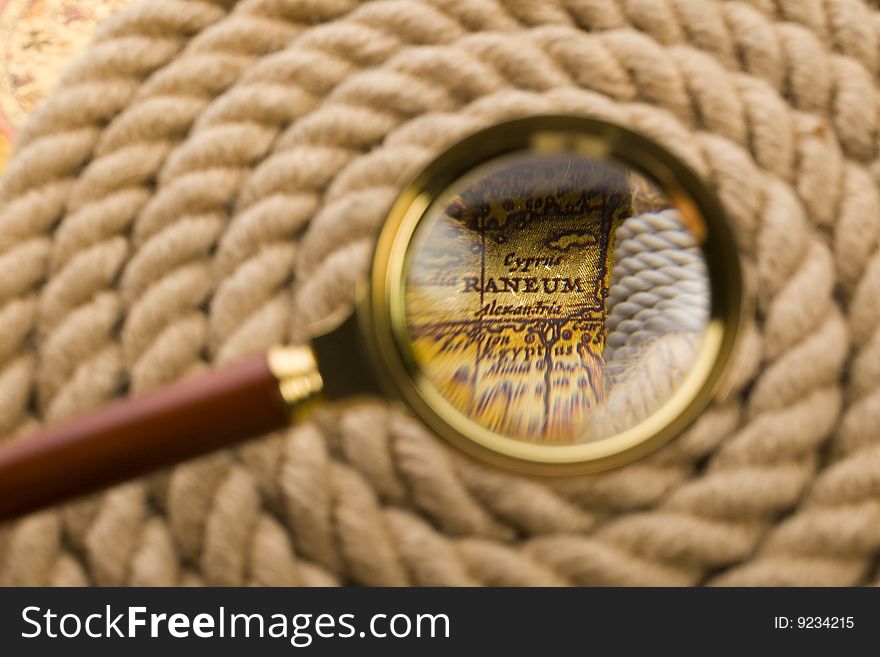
(381, 312)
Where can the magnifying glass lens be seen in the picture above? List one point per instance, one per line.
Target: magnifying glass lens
(555, 298)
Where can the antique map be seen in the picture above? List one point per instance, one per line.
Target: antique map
(38, 39)
(506, 288)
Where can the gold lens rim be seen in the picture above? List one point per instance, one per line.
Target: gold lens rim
(382, 317)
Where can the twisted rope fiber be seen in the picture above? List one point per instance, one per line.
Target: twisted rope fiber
(174, 221)
(659, 286)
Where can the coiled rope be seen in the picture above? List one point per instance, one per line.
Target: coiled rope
(659, 286)
(208, 179)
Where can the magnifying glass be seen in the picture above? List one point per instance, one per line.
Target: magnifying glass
(555, 295)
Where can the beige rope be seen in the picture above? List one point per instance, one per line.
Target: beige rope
(208, 179)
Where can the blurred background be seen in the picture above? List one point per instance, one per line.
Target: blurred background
(37, 39)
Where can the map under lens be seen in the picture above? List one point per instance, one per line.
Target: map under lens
(515, 315)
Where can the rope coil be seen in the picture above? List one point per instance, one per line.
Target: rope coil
(208, 180)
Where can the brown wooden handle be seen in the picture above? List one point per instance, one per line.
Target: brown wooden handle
(136, 436)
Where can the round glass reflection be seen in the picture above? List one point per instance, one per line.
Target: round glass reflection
(554, 297)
